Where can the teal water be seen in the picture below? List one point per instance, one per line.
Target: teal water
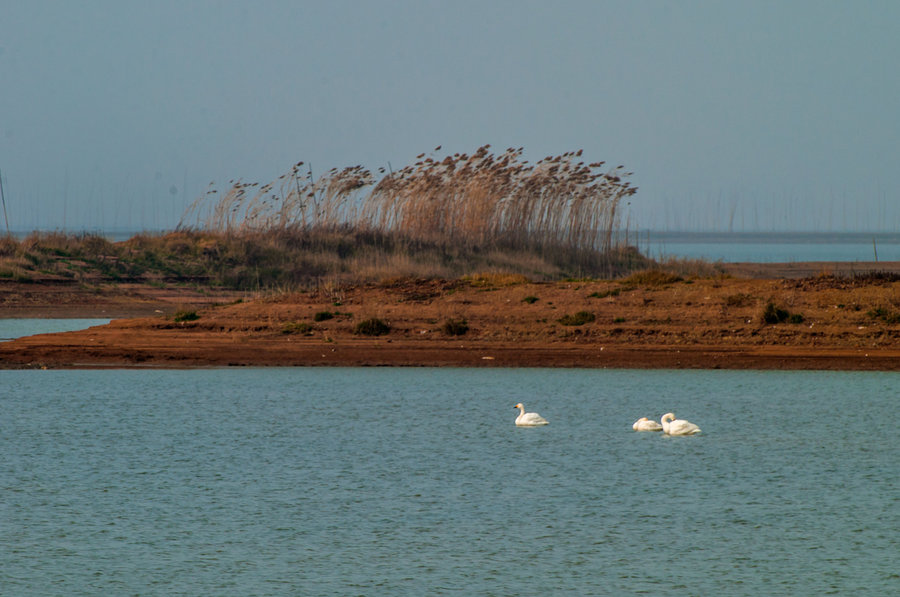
(17, 328)
(416, 482)
(773, 247)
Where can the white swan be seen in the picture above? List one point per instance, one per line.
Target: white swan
(645, 424)
(673, 426)
(528, 419)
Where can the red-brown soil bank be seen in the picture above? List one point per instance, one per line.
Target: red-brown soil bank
(832, 318)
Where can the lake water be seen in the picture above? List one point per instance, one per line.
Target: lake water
(775, 247)
(17, 328)
(370, 481)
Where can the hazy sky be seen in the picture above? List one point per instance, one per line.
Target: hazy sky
(749, 115)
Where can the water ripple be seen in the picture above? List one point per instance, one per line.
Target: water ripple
(416, 481)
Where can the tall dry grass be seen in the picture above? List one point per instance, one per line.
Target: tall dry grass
(477, 200)
(439, 217)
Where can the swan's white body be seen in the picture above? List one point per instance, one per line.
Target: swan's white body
(645, 424)
(528, 419)
(673, 426)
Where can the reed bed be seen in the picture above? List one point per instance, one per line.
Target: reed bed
(440, 217)
(479, 200)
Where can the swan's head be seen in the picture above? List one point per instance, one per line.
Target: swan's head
(668, 417)
(519, 405)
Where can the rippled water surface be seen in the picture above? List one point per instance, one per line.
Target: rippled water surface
(416, 482)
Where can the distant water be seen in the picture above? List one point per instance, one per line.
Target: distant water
(112, 234)
(17, 328)
(770, 247)
(377, 481)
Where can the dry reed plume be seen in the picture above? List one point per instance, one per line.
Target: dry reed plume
(476, 200)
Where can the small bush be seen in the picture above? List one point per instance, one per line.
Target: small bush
(530, 299)
(323, 316)
(8, 246)
(186, 316)
(455, 327)
(94, 245)
(605, 293)
(773, 314)
(886, 315)
(372, 327)
(580, 318)
(297, 327)
(738, 300)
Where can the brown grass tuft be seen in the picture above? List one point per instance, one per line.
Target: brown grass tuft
(496, 279)
(651, 278)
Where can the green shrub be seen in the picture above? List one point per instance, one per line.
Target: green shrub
(297, 327)
(186, 316)
(773, 314)
(372, 327)
(455, 327)
(886, 315)
(605, 293)
(531, 299)
(580, 318)
(323, 316)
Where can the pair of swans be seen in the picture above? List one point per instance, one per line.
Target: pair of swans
(668, 424)
(529, 419)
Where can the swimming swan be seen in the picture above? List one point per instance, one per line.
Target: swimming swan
(645, 424)
(528, 419)
(673, 426)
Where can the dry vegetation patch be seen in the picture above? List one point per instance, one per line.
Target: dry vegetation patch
(707, 311)
(696, 313)
(722, 314)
